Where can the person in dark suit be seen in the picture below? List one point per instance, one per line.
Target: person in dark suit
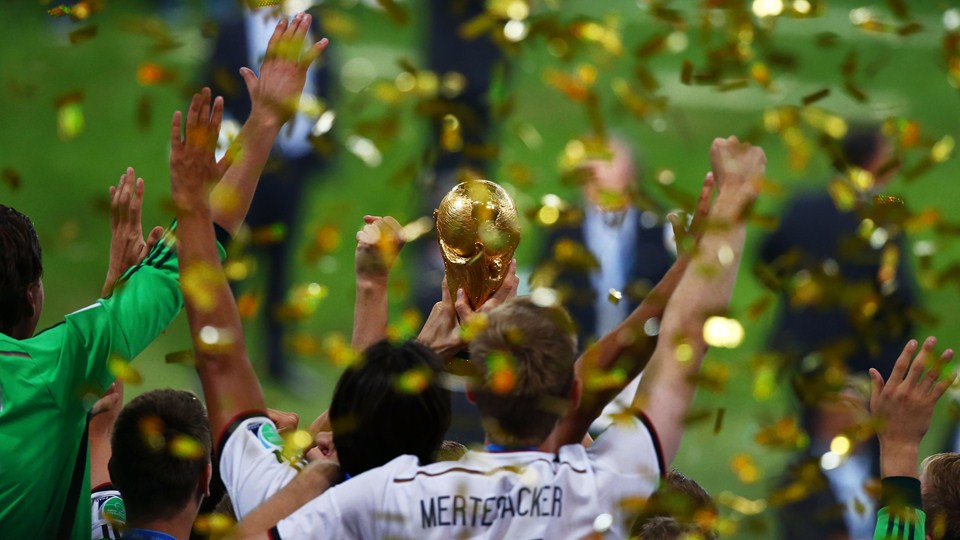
(615, 246)
(839, 261)
(274, 213)
(609, 256)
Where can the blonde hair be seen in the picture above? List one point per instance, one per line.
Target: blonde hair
(523, 362)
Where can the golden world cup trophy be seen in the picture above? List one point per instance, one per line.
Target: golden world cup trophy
(478, 229)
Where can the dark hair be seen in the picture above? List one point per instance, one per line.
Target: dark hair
(388, 404)
(673, 510)
(525, 361)
(20, 266)
(161, 446)
(858, 147)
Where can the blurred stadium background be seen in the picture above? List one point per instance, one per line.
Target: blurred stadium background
(82, 100)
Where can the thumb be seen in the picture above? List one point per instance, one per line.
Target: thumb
(154, 237)
(250, 78)
(464, 311)
(876, 383)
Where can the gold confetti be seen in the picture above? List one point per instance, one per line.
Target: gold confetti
(70, 118)
(746, 468)
(810, 99)
(414, 381)
(83, 34)
(214, 525)
(11, 178)
(121, 369)
(718, 423)
(501, 374)
(723, 332)
(185, 357)
(149, 74)
(185, 447)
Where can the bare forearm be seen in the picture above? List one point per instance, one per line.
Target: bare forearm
(704, 290)
(228, 380)
(231, 197)
(370, 312)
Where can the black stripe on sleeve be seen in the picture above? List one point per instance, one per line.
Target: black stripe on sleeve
(656, 442)
(232, 426)
(900, 491)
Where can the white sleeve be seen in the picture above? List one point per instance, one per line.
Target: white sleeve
(347, 510)
(252, 465)
(107, 513)
(630, 446)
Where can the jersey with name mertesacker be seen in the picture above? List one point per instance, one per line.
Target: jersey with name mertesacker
(521, 495)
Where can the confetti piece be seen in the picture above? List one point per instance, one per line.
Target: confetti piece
(83, 34)
(746, 468)
(70, 118)
(686, 72)
(723, 332)
(815, 97)
(214, 525)
(185, 447)
(121, 369)
(149, 74)
(414, 381)
(718, 423)
(11, 178)
(185, 357)
(501, 374)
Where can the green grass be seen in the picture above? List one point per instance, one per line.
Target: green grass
(64, 182)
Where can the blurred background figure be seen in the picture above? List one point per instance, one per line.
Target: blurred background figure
(609, 255)
(275, 213)
(841, 266)
(629, 248)
(839, 261)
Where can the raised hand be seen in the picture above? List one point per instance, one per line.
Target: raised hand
(378, 244)
(687, 235)
(442, 330)
(276, 93)
(737, 168)
(903, 405)
(193, 167)
(127, 245)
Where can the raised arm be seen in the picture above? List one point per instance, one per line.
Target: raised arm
(127, 246)
(378, 244)
(902, 408)
(666, 389)
(230, 385)
(627, 347)
(274, 96)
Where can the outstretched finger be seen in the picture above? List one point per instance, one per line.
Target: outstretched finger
(193, 113)
(370, 219)
(313, 53)
(920, 362)
(445, 297)
(291, 29)
(204, 115)
(703, 205)
(216, 119)
(136, 202)
(275, 38)
(903, 361)
(175, 139)
(301, 31)
(395, 228)
(936, 370)
(943, 384)
(876, 386)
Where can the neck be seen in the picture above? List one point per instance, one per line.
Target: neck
(177, 525)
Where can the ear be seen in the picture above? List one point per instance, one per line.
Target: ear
(576, 392)
(31, 298)
(204, 483)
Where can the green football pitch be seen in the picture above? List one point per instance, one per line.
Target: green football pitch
(75, 115)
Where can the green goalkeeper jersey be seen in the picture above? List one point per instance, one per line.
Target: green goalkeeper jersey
(48, 384)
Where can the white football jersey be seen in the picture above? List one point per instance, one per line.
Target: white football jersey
(251, 462)
(522, 495)
(107, 513)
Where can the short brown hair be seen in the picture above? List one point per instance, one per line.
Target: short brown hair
(524, 359)
(940, 490)
(680, 508)
(21, 265)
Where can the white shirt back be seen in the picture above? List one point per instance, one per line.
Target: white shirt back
(522, 495)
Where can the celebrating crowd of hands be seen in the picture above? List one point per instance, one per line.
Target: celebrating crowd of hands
(208, 192)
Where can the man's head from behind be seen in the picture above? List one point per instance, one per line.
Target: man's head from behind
(680, 508)
(390, 403)
(21, 290)
(524, 359)
(161, 455)
(940, 489)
